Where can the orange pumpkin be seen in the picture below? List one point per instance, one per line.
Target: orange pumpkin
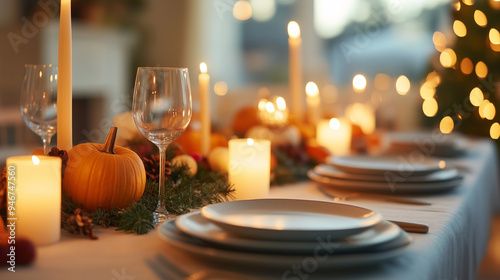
(104, 176)
(190, 141)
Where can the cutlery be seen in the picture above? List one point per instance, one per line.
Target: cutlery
(404, 225)
(403, 200)
(411, 226)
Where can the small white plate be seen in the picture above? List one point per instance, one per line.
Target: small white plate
(380, 165)
(440, 175)
(195, 225)
(393, 185)
(326, 259)
(290, 219)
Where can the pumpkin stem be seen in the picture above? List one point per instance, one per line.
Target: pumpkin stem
(110, 141)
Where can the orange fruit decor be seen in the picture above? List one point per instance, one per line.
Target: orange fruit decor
(104, 175)
(38, 152)
(190, 141)
(245, 119)
(316, 152)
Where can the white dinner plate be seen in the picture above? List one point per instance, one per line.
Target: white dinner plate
(380, 165)
(194, 224)
(395, 186)
(425, 142)
(290, 219)
(440, 175)
(326, 259)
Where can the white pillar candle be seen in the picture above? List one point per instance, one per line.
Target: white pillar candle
(313, 103)
(335, 135)
(295, 70)
(37, 197)
(362, 115)
(204, 83)
(64, 86)
(250, 167)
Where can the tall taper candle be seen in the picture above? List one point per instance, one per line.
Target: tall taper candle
(64, 85)
(295, 70)
(204, 83)
(314, 113)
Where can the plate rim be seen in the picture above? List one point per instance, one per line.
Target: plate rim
(293, 234)
(282, 260)
(282, 246)
(377, 171)
(411, 187)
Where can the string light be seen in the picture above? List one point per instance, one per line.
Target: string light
(459, 28)
(481, 70)
(476, 96)
(448, 58)
(427, 91)
(430, 107)
(402, 85)
(439, 41)
(480, 18)
(495, 131)
(446, 125)
(466, 66)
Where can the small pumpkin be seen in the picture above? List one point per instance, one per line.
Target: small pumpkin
(104, 176)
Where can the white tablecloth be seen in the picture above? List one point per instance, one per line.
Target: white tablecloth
(459, 228)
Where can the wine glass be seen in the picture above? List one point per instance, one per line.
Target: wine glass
(39, 101)
(162, 111)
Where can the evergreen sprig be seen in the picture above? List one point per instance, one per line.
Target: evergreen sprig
(183, 193)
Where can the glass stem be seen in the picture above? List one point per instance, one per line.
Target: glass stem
(161, 191)
(46, 144)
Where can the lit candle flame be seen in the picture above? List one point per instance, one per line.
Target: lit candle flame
(312, 89)
(270, 107)
(262, 104)
(334, 124)
(250, 142)
(359, 83)
(203, 67)
(280, 103)
(293, 29)
(36, 160)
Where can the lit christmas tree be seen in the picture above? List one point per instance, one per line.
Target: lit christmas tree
(461, 93)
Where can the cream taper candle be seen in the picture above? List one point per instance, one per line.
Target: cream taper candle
(313, 103)
(204, 84)
(37, 197)
(64, 85)
(250, 167)
(295, 70)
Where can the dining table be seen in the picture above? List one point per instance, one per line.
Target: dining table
(459, 227)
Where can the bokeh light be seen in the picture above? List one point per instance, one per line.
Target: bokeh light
(468, 2)
(476, 96)
(482, 108)
(446, 125)
(430, 107)
(220, 88)
(242, 10)
(466, 66)
(494, 36)
(459, 28)
(427, 90)
(359, 83)
(439, 41)
(489, 111)
(481, 70)
(433, 78)
(480, 18)
(448, 58)
(495, 131)
(402, 85)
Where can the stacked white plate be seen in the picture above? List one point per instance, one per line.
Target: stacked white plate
(283, 232)
(394, 174)
(449, 145)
